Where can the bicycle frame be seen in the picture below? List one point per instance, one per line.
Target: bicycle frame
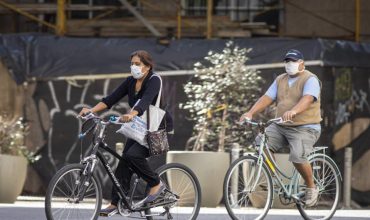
(263, 155)
(93, 159)
(96, 155)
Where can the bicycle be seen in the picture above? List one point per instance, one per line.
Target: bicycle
(198, 142)
(251, 180)
(75, 191)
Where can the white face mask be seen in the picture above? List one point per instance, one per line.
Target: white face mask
(292, 68)
(136, 72)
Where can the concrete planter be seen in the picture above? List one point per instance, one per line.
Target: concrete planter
(13, 171)
(210, 169)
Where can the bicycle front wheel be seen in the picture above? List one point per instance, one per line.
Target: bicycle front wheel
(248, 190)
(183, 189)
(326, 178)
(62, 197)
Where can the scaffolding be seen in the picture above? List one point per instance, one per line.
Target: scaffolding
(98, 20)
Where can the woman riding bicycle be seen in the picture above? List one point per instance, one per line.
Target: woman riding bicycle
(142, 89)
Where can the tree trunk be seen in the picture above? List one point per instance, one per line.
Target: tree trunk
(221, 137)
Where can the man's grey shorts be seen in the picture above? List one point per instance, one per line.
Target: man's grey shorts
(299, 139)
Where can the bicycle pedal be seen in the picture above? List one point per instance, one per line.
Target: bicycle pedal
(157, 201)
(300, 195)
(298, 201)
(161, 196)
(108, 214)
(298, 198)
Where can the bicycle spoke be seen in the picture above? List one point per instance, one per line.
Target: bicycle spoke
(63, 210)
(69, 212)
(89, 195)
(185, 189)
(60, 190)
(247, 191)
(332, 178)
(181, 183)
(327, 180)
(62, 200)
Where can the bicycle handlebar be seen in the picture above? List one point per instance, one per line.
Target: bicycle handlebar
(97, 120)
(87, 116)
(112, 119)
(263, 124)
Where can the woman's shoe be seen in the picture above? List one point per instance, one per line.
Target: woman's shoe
(108, 212)
(151, 198)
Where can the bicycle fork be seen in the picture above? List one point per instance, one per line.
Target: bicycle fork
(84, 182)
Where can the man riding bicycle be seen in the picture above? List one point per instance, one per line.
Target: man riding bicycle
(297, 96)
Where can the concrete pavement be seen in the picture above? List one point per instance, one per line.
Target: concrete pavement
(33, 208)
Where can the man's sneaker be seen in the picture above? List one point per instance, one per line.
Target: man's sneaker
(311, 196)
(108, 212)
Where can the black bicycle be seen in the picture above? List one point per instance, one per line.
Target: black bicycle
(75, 191)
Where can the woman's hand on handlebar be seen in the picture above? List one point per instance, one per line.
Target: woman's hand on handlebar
(84, 112)
(126, 117)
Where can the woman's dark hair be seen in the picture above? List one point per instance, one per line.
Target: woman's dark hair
(145, 57)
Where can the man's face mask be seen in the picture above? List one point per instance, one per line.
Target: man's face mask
(292, 67)
(136, 72)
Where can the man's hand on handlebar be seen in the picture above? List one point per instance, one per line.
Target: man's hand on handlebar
(289, 115)
(246, 117)
(245, 120)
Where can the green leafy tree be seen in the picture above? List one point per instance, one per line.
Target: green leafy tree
(223, 88)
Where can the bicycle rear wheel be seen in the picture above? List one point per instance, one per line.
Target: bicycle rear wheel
(326, 177)
(247, 195)
(182, 188)
(61, 201)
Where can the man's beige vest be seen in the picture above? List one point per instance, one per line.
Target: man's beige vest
(288, 97)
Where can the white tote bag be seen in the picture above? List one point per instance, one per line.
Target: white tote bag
(137, 128)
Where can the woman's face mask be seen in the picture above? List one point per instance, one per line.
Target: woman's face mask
(292, 67)
(136, 72)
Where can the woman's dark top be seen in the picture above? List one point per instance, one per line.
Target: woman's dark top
(148, 96)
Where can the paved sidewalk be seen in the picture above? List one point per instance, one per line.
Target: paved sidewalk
(36, 205)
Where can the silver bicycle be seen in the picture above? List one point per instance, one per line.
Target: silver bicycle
(251, 181)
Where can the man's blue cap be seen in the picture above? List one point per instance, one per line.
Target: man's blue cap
(294, 55)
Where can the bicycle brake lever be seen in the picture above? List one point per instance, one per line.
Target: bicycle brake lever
(86, 116)
(281, 121)
(244, 121)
